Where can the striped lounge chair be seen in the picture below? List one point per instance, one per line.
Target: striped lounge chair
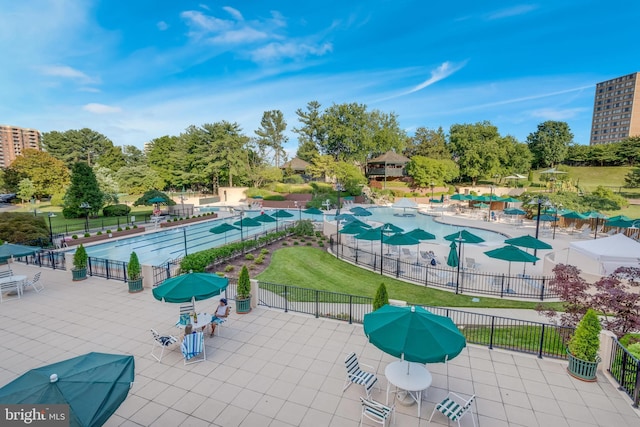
(454, 407)
(193, 348)
(355, 375)
(376, 412)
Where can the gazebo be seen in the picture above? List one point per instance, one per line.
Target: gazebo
(389, 165)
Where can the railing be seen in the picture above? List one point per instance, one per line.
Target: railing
(50, 259)
(165, 270)
(541, 339)
(106, 268)
(420, 271)
(102, 224)
(625, 369)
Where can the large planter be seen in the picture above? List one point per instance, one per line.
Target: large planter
(135, 285)
(581, 369)
(243, 306)
(78, 274)
(104, 236)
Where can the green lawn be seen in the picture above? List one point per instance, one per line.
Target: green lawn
(315, 269)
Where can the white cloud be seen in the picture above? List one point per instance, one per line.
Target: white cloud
(241, 36)
(101, 109)
(89, 89)
(162, 26)
(512, 11)
(557, 114)
(440, 73)
(66, 72)
(233, 12)
(275, 51)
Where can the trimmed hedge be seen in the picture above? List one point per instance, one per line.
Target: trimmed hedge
(116, 210)
(198, 261)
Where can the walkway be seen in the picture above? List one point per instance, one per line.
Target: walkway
(270, 368)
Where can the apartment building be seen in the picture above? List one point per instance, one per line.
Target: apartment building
(616, 110)
(13, 140)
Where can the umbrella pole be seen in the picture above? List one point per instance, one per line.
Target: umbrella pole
(459, 261)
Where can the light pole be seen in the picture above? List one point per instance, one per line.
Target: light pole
(51, 215)
(339, 189)
(182, 201)
(491, 187)
(184, 237)
(555, 223)
(537, 201)
(433, 184)
(86, 206)
(383, 229)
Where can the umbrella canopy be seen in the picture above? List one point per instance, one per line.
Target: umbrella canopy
(190, 287)
(553, 171)
(514, 211)
(313, 211)
(352, 229)
(404, 203)
(620, 217)
(390, 228)
(344, 217)
(528, 242)
(573, 215)
(594, 214)
(414, 334)
(620, 223)
(420, 234)
(359, 211)
(510, 200)
(452, 259)
(9, 250)
(93, 385)
(400, 239)
(464, 236)
(265, 218)
(460, 197)
(546, 218)
(157, 200)
(281, 213)
(370, 234)
(512, 254)
(481, 205)
(248, 222)
(223, 228)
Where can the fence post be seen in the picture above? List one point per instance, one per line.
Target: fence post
(493, 320)
(106, 268)
(541, 343)
(286, 300)
(502, 286)
(636, 389)
(89, 265)
(398, 267)
(426, 275)
(350, 309)
(124, 269)
(317, 304)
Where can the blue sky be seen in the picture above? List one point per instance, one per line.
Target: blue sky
(135, 70)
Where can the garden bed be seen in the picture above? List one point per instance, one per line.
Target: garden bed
(103, 236)
(203, 217)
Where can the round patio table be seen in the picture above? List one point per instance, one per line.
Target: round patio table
(413, 378)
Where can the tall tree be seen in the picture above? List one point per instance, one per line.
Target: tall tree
(26, 190)
(169, 157)
(312, 132)
(428, 143)
(107, 183)
(476, 149)
(550, 143)
(84, 188)
(271, 133)
(76, 145)
(112, 158)
(425, 170)
(223, 150)
(138, 179)
(515, 156)
(48, 174)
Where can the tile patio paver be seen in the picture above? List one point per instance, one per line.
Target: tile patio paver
(270, 368)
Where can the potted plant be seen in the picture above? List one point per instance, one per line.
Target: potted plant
(583, 348)
(79, 270)
(134, 276)
(243, 297)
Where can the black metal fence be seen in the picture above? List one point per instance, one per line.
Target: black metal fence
(106, 268)
(82, 225)
(625, 368)
(50, 259)
(421, 271)
(541, 339)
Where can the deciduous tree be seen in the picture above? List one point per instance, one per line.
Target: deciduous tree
(430, 143)
(48, 174)
(549, 144)
(476, 150)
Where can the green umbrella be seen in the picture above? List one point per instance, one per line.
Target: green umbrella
(594, 214)
(514, 211)
(420, 234)
(157, 200)
(460, 197)
(528, 242)
(390, 228)
(190, 287)
(620, 223)
(546, 218)
(93, 385)
(413, 334)
(265, 218)
(573, 215)
(281, 213)
(313, 211)
(400, 239)
(453, 260)
(247, 222)
(9, 250)
(620, 217)
(464, 236)
(344, 217)
(223, 228)
(510, 200)
(512, 254)
(356, 221)
(481, 205)
(352, 229)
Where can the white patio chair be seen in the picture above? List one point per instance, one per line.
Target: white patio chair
(454, 407)
(471, 264)
(355, 375)
(193, 349)
(377, 412)
(162, 341)
(35, 283)
(9, 290)
(185, 313)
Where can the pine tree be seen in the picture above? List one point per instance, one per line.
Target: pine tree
(381, 298)
(84, 188)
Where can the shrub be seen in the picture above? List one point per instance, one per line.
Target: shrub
(259, 260)
(119, 228)
(251, 267)
(381, 298)
(296, 243)
(585, 342)
(133, 268)
(294, 179)
(221, 273)
(99, 233)
(135, 226)
(108, 231)
(264, 251)
(321, 244)
(309, 244)
(127, 228)
(75, 236)
(249, 257)
(276, 197)
(285, 244)
(244, 284)
(116, 210)
(635, 350)
(80, 258)
(228, 268)
(87, 234)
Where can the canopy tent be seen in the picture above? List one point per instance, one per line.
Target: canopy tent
(609, 252)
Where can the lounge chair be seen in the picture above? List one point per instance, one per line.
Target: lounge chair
(35, 283)
(185, 313)
(10, 289)
(454, 407)
(192, 347)
(161, 341)
(471, 264)
(585, 232)
(355, 375)
(375, 411)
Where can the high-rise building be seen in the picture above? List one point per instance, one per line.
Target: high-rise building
(13, 140)
(616, 110)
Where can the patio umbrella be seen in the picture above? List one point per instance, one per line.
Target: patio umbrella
(598, 216)
(313, 211)
(190, 287)
(511, 200)
(528, 242)
(247, 222)
(281, 213)
(413, 334)
(157, 200)
(420, 234)
(514, 211)
(460, 197)
(512, 254)
(400, 239)
(573, 215)
(223, 228)
(264, 218)
(481, 205)
(93, 385)
(358, 211)
(464, 236)
(453, 260)
(9, 250)
(353, 228)
(344, 217)
(620, 223)
(546, 218)
(553, 171)
(390, 228)
(620, 217)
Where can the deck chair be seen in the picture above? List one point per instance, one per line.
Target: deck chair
(35, 283)
(9, 291)
(375, 411)
(193, 348)
(185, 313)
(454, 407)
(6, 273)
(355, 375)
(162, 342)
(471, 264)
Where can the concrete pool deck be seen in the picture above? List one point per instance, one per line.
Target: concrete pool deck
(270, 368)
